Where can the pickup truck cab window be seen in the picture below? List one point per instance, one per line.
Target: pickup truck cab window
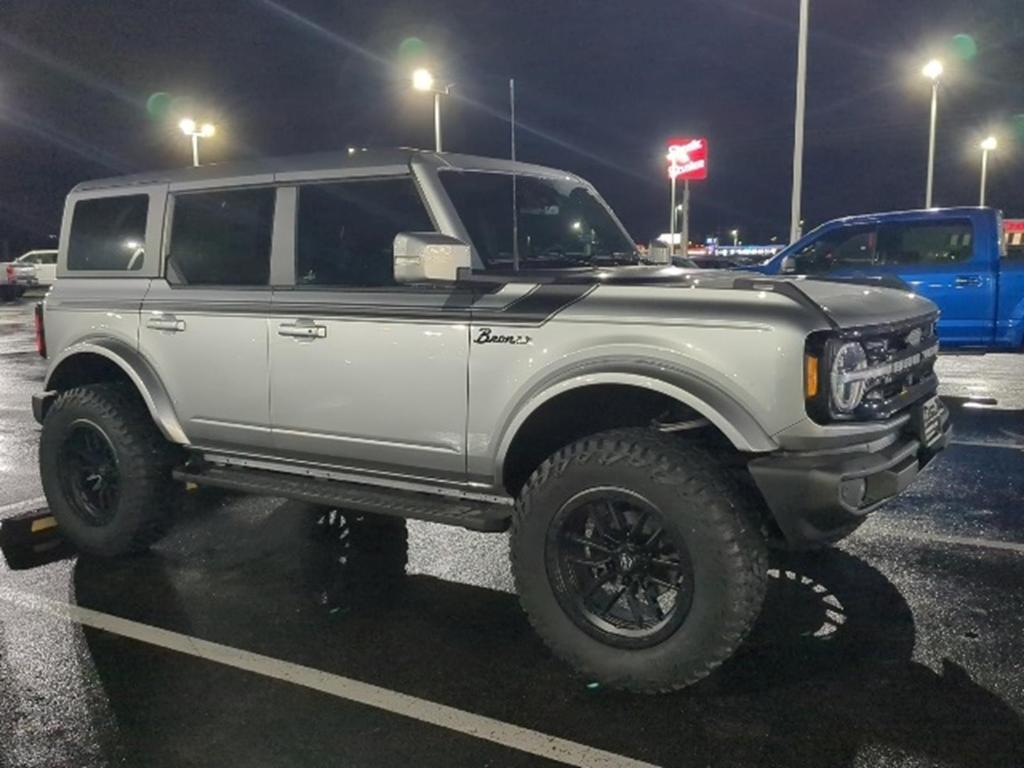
(108, 233)
(560, 221)
(925, 243)
(839, 249)
(345, 231)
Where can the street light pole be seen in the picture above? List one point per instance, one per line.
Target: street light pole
(437, 121)
(685, 234)
(933, 70)
(986, 146)
(195, 132)
(798, 124)
(423, 80)
(672, 221)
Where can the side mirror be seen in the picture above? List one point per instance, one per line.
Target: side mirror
(788, 266)
(422, 256)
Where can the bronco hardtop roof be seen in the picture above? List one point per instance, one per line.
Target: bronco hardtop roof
(386, 161)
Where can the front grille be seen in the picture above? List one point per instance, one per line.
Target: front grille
(900, 369)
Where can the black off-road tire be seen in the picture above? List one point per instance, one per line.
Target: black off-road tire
(144, 460)
(705, 507)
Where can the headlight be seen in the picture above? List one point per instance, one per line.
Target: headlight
(847, 395)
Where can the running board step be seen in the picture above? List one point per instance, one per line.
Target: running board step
(471, 514)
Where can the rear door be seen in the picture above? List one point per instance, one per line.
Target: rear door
(366, 373)
(204, 324)
(942, 261)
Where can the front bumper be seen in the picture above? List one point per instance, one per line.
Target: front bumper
(819, 497)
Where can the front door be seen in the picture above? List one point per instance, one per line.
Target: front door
(366, 373)
(938, 260)
(205, 326)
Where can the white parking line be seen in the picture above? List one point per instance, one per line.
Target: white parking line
(962, 541)
(477, 726)
(23, 506)
(985, 444)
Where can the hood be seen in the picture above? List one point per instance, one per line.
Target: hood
(851, 304)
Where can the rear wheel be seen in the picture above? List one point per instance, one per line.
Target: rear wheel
(636, 559)
(106, 470)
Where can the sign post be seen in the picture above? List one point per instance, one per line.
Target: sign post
(687, 160)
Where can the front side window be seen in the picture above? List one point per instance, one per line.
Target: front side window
(560, 222)
(843, 248)
(925, 243)
(108, 233)
(345, 231)
(221, 238)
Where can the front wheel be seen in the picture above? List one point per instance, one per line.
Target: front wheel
(636, 561)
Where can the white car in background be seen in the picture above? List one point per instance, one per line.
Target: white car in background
(45, 264)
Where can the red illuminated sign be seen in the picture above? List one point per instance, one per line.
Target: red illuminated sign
(687, 159)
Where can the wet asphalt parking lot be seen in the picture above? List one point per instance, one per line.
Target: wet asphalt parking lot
(231, 643)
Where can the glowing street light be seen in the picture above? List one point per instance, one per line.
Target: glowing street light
(423, 80)
(987, 145)
(196, 132)
(735, 236)
(933, 71)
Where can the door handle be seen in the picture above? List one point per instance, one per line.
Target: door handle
(302, 330)
(165, 323)
(967, 280)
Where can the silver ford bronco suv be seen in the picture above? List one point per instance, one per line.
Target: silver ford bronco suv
(405, 334)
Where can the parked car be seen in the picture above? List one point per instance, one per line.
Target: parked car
(15, 278)
(957, 257)
(359, 332)
(44, 262)
(710, 262)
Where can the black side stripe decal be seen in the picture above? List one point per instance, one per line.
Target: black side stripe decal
(534, 308)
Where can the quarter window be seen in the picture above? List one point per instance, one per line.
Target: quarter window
(108, 233)
(221, 238)
(345, 231)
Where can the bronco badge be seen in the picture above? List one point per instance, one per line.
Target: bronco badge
(487, 336)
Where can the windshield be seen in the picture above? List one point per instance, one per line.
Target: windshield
(560, 222)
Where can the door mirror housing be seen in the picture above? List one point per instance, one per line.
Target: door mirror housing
(425, 256)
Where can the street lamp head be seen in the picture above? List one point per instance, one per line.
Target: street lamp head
(734, 232)
(932, 70)
(187, 125)
(207, 130)
(422, 80)
(989, 143)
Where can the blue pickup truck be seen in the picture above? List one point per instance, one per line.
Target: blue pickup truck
(957, 257)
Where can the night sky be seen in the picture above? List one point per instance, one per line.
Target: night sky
(600, 86)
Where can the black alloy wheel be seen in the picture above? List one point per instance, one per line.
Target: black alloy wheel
(91, 478)
(619, 571)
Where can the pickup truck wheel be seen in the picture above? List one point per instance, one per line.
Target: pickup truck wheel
(106, 470)
(636, 560)
(7, 293)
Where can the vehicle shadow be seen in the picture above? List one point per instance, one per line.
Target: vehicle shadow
(827, 674)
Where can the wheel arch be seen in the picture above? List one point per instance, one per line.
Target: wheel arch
(93, 360)
(729, 418)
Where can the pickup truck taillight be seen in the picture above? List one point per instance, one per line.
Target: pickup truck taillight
(40, 330)
(10, 273)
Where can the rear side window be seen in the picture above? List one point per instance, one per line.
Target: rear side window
(345, 231)
(221, 238)
(925, 243)
(108, 233)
